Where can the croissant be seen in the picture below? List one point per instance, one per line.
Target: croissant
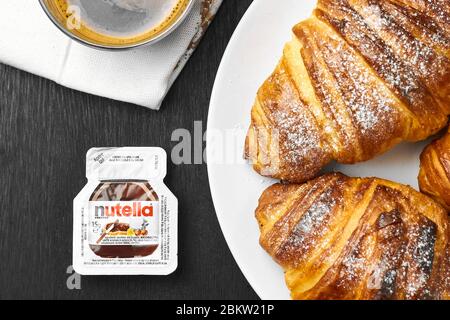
(434, 176)
(348, 238)
(358, 77)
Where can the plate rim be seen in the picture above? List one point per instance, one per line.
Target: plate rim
(211, 111)
(399, 172)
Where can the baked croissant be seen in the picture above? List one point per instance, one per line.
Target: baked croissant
(347, 238)
(434, 176)
(358, 77)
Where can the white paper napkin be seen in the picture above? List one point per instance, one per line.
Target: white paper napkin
(143, 76)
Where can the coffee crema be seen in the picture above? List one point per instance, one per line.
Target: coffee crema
(117, 22)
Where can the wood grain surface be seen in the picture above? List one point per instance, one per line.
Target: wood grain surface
(45, 131)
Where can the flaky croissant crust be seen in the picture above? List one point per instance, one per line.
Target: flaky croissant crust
(347, 238)
(358, 77)
(434, 176)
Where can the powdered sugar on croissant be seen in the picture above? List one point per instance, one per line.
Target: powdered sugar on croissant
(348, 238)
(357, 78)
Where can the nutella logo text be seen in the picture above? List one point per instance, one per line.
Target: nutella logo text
(134, 210)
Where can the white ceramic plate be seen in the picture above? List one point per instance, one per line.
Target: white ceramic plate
(251, 56)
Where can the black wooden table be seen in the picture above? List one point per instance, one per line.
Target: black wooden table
(45, 131)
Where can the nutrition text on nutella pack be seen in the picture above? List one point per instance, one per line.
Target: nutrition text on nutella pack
(125, 218)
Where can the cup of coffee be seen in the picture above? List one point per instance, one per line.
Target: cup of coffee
(117, 24)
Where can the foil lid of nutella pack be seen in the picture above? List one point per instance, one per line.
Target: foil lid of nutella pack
(125, 218)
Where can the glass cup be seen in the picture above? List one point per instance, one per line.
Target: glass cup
(117, 24)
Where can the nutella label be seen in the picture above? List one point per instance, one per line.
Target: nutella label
(125, 218)
(123, 223)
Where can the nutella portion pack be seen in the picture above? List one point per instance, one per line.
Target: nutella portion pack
(125, 218)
